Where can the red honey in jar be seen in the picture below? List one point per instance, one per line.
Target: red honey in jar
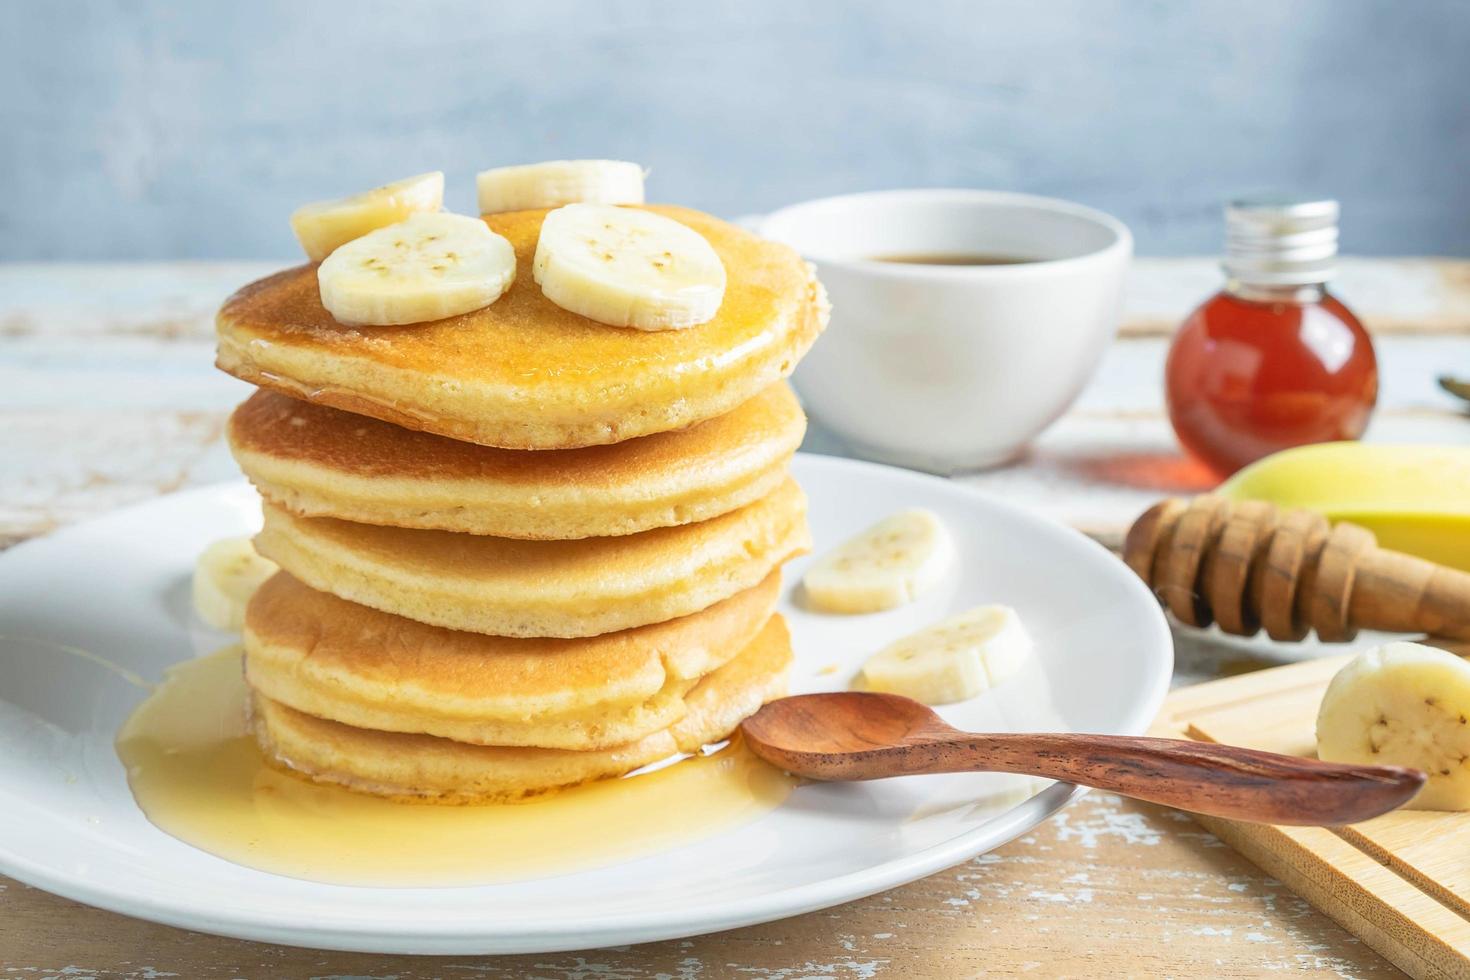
(1273, 360)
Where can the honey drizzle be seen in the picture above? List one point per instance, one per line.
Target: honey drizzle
(198, 775)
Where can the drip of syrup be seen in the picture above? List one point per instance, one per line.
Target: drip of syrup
(197, 775)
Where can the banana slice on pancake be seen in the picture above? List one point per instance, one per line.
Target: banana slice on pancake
(558, 182)
(628, 268)
(428, 267)
(1403, 704)
(324, 226)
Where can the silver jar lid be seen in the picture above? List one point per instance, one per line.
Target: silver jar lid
(1281, 240)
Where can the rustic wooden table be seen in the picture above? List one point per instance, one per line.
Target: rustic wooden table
(107, 397)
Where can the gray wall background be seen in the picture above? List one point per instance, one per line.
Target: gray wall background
(181, 130)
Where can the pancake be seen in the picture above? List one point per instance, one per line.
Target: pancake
(321, 462)
(507, 587)
(334, 659)
(429, 769)
(523, 373)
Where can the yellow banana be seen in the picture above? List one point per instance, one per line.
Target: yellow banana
(1416, 499)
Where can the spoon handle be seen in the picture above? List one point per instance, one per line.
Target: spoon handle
(1203, 777)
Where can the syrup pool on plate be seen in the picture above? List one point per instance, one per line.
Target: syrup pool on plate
(197, 774)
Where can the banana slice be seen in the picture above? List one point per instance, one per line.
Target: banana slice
(952, 660)
(628, 268)
(890, 564)
(427, 267)
(225, 577)
(1403, 704)
(324, 226)
(558, 182)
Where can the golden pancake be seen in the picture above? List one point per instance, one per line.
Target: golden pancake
(334, 659)
(507, 587)
(320, 462)
(430, 769)
(523, 373)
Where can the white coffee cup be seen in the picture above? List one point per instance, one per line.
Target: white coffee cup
(954, 367)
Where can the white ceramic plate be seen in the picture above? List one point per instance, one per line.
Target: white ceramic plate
(118, 587)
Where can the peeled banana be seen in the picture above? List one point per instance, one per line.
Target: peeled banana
(427, 267)
(558, 182)
(1416, 499)
(628, 268)
(889, 564)
(952, 660)
(324, 226)
(225, 577)
(1403, 704)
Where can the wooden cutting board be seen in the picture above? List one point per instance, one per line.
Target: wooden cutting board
(1401, 882)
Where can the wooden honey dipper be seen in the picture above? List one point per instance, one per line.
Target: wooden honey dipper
(1247, 565)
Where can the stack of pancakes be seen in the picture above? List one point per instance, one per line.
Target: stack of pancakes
(520, 549)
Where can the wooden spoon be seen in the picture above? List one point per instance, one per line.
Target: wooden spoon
(853, 735)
